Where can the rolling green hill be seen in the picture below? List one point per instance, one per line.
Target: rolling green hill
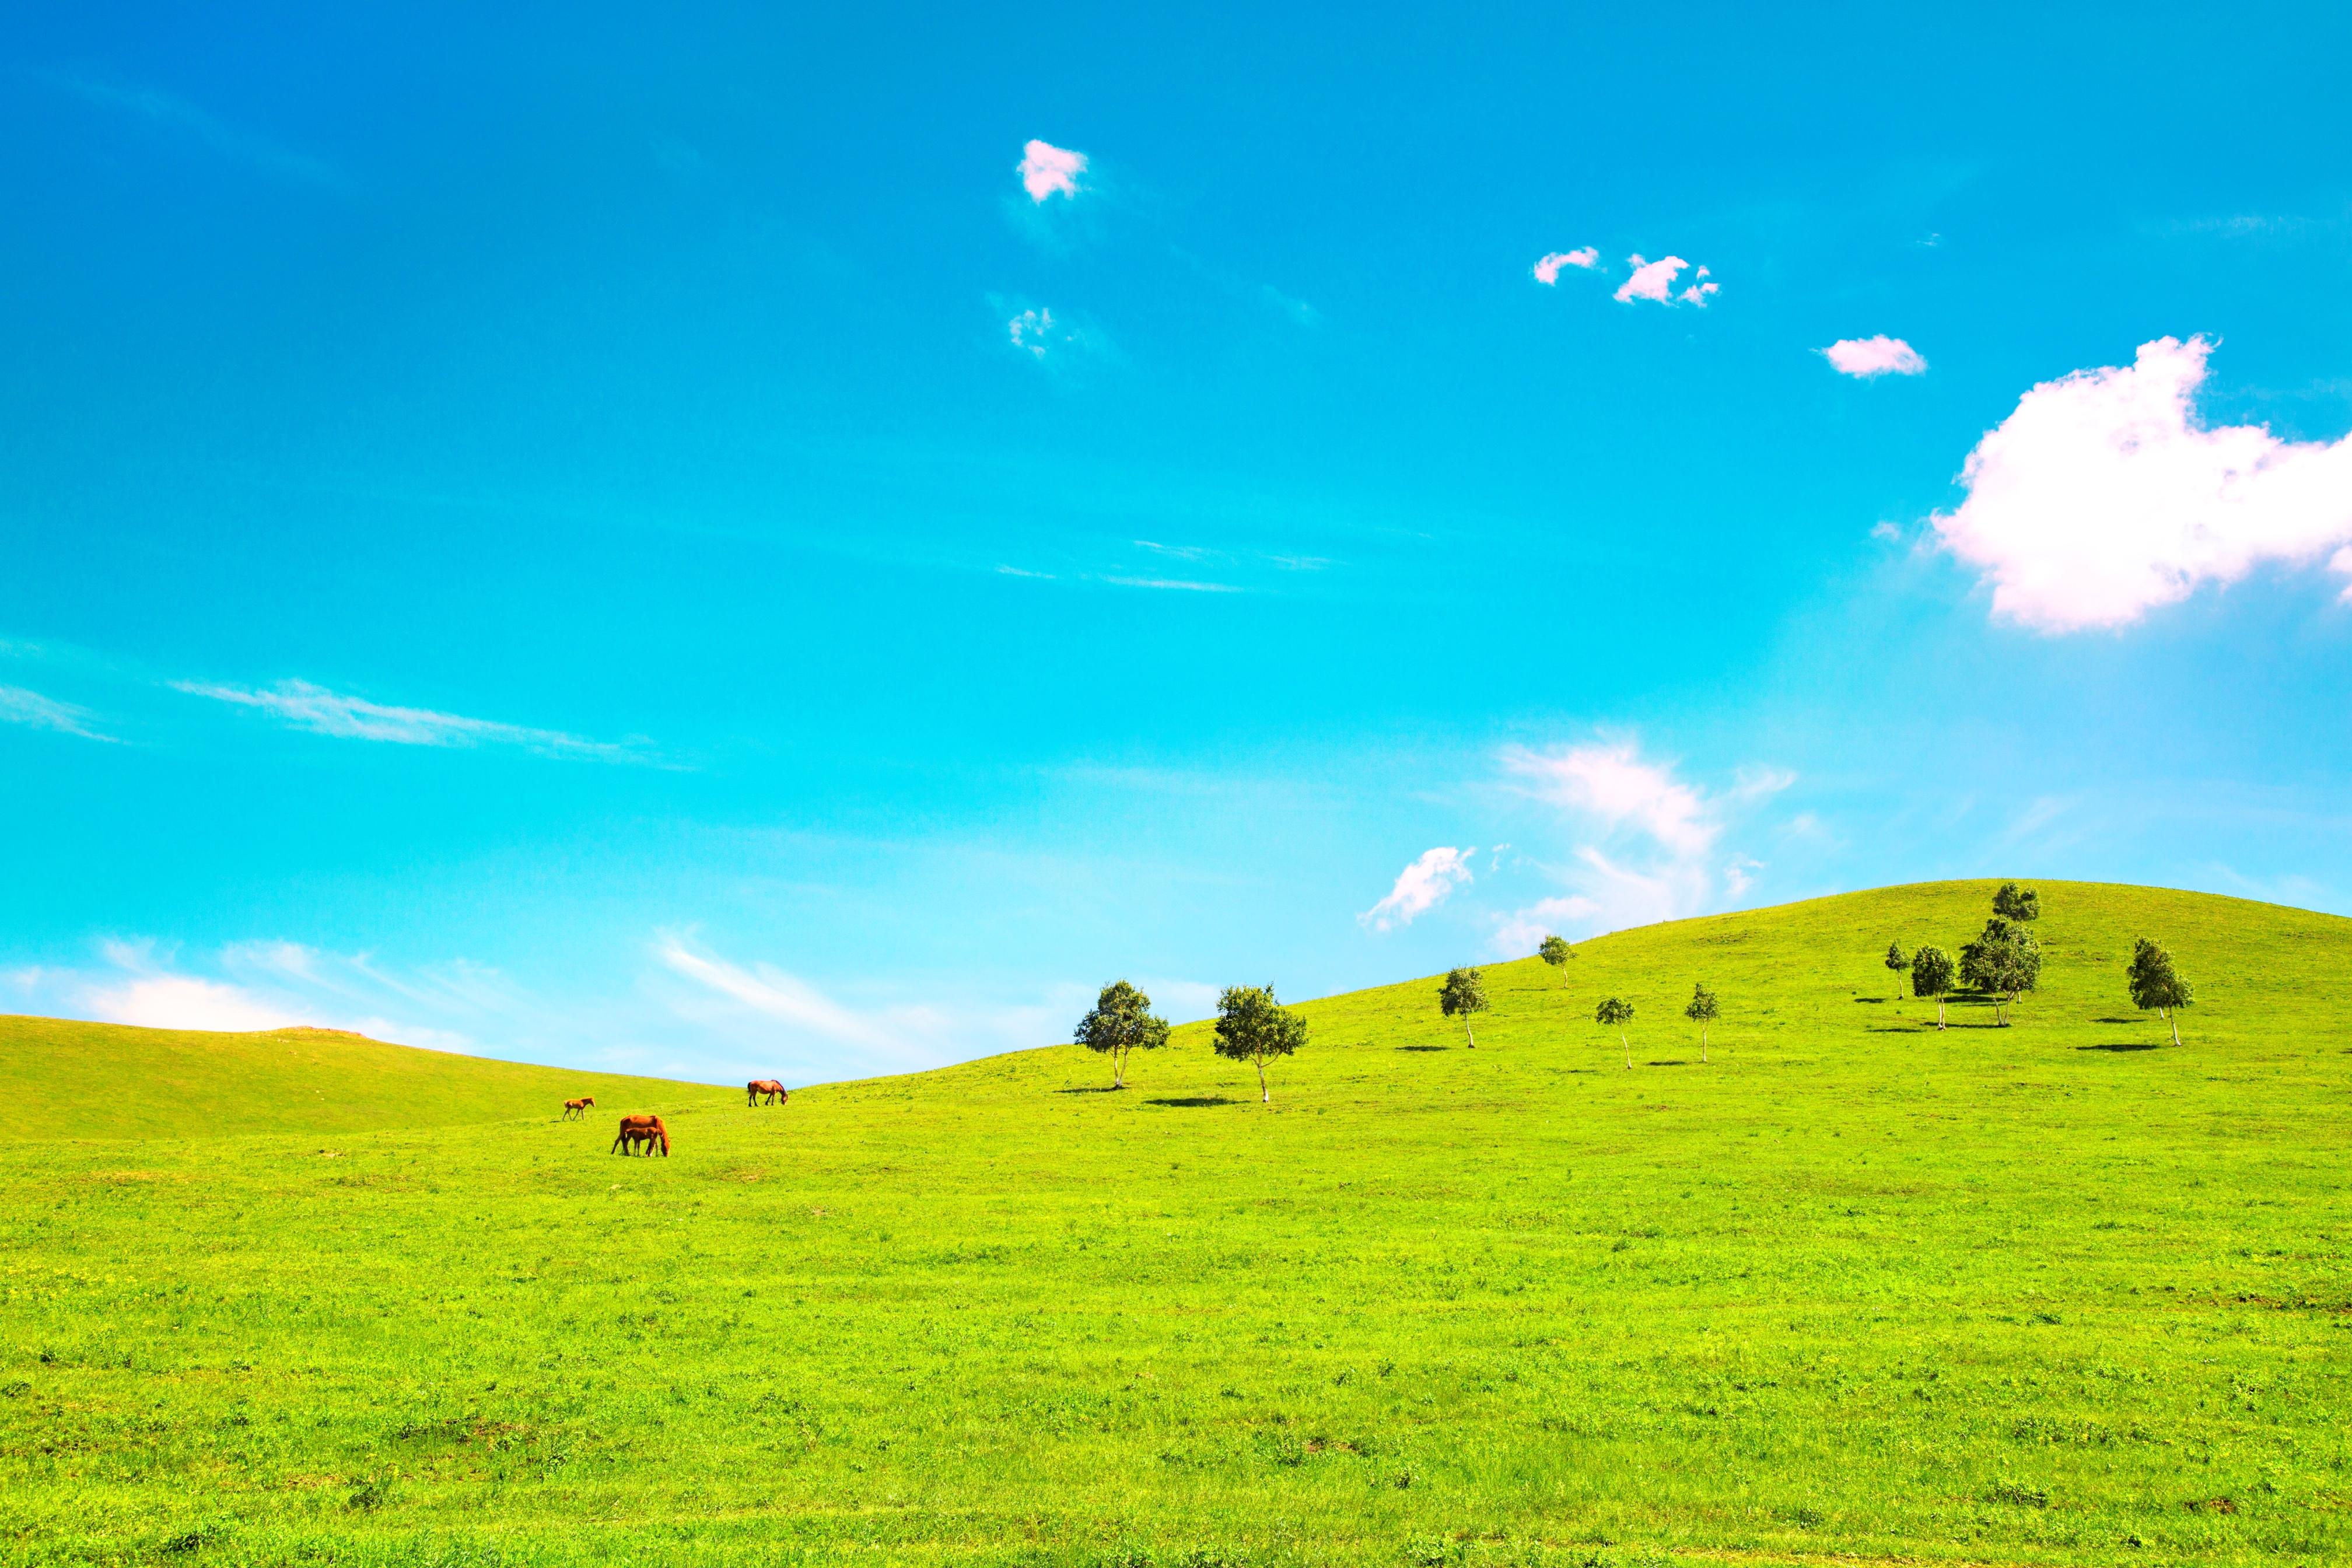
(2057, 1293)
(65, 1079)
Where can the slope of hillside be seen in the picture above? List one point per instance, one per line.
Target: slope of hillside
(62, 1077)
(2059, 1293)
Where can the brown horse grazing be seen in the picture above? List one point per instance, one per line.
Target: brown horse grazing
(577, 1110)
(645, 1129)
(776, 1093)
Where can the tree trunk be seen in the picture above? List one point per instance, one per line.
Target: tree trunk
(1471, 1032)
(1629, 1049)
(1119, 1070)
(2176, 1029)
(1265, 1096)
(1702, 1044)
(1940, 1015)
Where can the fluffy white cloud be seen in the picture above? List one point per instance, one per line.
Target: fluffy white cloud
(1038, 332)
(1046, 170)
(2102, 497)
(18, 706)
(1655, 280)
(1419, 888)
(185, 1001)
(325, 712)
(1867, 357)
(1548, 266)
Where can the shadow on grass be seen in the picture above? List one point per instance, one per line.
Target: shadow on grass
(2125, 1046)
(1195, 1101)
(1424, 1048)
(2119, 1020)
(1895, 1029)
(1099, 1088)
(1672, 1062)
(1870, 1001)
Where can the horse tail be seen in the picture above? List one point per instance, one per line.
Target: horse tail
(663, 1133)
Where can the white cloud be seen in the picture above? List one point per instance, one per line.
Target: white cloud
(1653, 852)
(1038, 333)
(1176, 584)
(18, 706)
(1046, 170)
(325, 712)
(1419, 888)
(1523, 930)
(1655, 280)
(1547, 268)
(1612, 781)
(144, 993)
(2102, 497)
(796, 1021)
(1868, 357)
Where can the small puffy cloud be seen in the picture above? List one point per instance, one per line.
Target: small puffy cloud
(1041, 334)
(2102, 497)
(1046, 170)
(1611, 781)
(1548, 268)
(1419, 888)
(1655, 280)
(323, 712)
(18, 706)
(1885, 531)
(1868, 357)
(141, 992)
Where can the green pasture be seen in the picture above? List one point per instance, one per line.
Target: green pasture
(1853, 1291)
(61, 1078)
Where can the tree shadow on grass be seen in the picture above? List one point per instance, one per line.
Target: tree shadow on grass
(1672, 1062)
(1424, 1048)
(1195, 1101)
(1895, 1029)
(2119, 1020)
(1098, 1089)
(2126, 1046)
(1870, 1001)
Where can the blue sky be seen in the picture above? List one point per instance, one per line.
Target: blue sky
(805, 545)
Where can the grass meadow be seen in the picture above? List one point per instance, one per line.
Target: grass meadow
(2058, 1293)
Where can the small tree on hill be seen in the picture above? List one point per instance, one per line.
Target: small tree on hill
(2005, 963)
(1615, 1013)
(1253, 1028)
(1931, 976)
(1121, 1022)
(1896, 961)
(1702, 1011)
(2015, 905)
(2156, 984)
(1556, 951)
(1463, 994)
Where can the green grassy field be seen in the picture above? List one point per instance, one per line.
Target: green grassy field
(2058, 1293)
(63, 1078)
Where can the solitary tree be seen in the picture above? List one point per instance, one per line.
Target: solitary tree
(1898, 963)
(1463, 994)
(1702, 1011)
(1931, 976)
(1121, 1022)
(1253, 1028)
(2156, 984)
(1615, 1013)
(1556, 951)
(2005, 963)
(2012, 904)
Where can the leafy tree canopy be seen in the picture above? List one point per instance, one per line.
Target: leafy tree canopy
(1465, 992)
(1931, 971)
(1253, 1028)
(1122, 1021)
(2005, 962)
(2014, 904)
(1555, 951)
(1894, 958)
(1615, 1011)
(2153, 979)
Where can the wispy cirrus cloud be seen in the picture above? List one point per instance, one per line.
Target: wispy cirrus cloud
(1419, 888)
(1049, 171)
(19, 706)
(1867, 357)
(304, 706)
(181, 118)
(2103, 497)
(1653, 846)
